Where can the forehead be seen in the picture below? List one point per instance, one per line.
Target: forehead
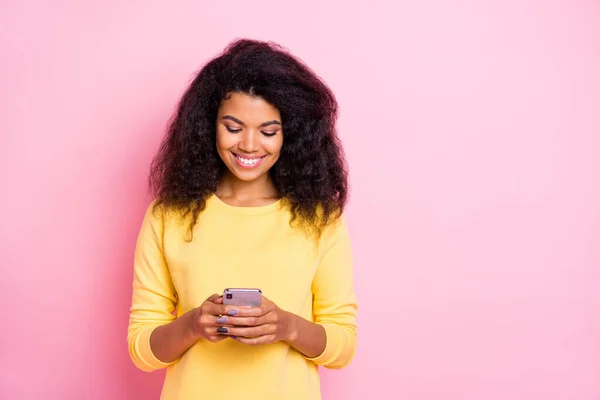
(249, 109)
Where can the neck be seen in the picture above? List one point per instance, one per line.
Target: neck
(234, 188)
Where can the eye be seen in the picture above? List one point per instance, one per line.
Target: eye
(232, 130)
(269, 133)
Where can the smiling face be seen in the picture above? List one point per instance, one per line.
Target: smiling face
(249, 136)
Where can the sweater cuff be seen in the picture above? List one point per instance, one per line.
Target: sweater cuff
(147, 360)
(332, 347)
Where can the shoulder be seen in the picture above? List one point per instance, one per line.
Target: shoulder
(334, 231)
(161, 216)
(157, 212)
(332, 223)
(335, 225)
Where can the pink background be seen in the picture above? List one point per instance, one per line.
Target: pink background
(473, 132)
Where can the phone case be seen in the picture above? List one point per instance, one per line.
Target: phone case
(242, 297)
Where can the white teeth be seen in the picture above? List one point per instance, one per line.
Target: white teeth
(247, 161)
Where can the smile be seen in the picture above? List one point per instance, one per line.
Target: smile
(248, 162)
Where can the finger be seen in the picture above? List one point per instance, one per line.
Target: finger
(216, 331)
(270, 318)
(266, 339)
(206, 325)
(215, 320)
(265, 299)
(254, 311)
(216, 338)
(212, 308)
(219, 300)
(248, 332)
(212, 297)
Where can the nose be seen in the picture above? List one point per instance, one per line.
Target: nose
(249, 141)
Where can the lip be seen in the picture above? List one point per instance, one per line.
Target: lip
(241, 164)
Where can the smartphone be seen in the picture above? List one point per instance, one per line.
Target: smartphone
(242, 297)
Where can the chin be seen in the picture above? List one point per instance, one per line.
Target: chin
(246, 176)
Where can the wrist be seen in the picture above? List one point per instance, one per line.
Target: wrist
(291, 331)
(191, 331)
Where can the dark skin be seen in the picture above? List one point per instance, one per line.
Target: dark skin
(249, 140)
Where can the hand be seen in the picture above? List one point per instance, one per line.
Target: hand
(210, 317)
(260, 325)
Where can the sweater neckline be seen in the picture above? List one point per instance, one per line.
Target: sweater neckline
(243, 210)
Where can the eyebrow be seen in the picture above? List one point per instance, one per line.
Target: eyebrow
(264, 124)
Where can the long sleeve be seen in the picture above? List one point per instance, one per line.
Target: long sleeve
(153, 300)
(334, 300)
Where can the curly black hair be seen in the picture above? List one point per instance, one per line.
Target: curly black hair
(311, 172)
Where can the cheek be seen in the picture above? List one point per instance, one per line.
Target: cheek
(223, 141)
(274, 146)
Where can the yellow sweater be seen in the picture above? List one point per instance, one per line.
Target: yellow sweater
(242, 247)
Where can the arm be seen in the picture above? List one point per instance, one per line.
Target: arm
(155, 337)
(331, 340)
(169, 342)
(307, 337)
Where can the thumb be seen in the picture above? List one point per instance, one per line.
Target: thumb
(213, 298)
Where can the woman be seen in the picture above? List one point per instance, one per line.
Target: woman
(250, 186)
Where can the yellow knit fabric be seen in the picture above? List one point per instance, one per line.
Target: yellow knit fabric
(242, 247)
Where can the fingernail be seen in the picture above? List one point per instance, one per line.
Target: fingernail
(221, 320)
(233, 337)
(232, 312)
(222, 330)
